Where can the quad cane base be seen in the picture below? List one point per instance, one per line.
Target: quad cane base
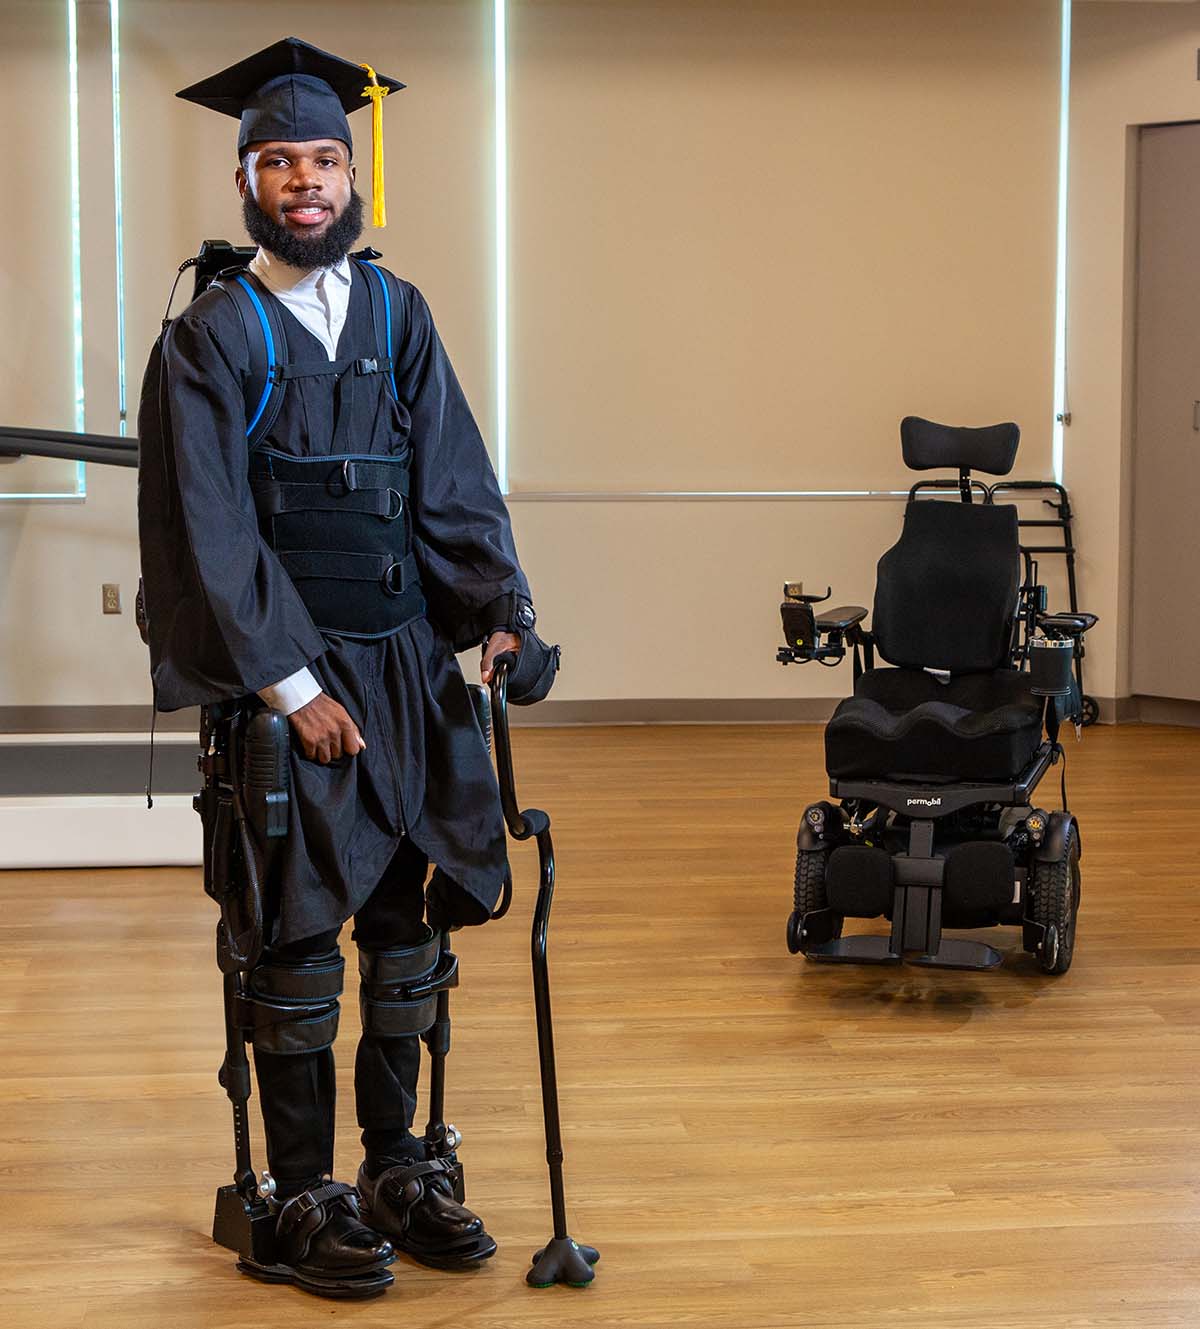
(563, 1261)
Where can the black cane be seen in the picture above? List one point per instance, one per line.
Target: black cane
(562, 1260)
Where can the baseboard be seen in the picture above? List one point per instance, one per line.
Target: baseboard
(95, 832)
(620, 710)
(1158, 710)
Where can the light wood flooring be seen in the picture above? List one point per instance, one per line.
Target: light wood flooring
(752, 1141)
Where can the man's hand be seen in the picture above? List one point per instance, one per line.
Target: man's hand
(497, 644)
(325, 730)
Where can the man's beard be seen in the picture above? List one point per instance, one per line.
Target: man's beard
(322, 251)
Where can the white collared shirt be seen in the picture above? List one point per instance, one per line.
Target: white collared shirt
(319, 298)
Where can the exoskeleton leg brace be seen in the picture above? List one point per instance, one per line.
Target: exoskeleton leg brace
(291, 1007)
(398, 988)
(404, 991)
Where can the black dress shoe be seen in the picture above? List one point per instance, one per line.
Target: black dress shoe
(414, 1204)
(323, 1246)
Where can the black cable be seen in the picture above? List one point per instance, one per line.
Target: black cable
(183, 267)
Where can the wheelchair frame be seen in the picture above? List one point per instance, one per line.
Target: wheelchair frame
(903, 815)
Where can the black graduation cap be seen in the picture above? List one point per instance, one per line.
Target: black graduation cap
(293, 92)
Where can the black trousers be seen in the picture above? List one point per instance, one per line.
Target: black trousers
(297, 1092)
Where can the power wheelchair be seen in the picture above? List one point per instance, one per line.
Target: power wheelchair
(934, 762)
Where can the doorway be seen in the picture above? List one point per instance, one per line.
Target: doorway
(1165, 471)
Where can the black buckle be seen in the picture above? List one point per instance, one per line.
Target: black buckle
(445, 976)
(390, 515)
(348, 475)
(393, 579)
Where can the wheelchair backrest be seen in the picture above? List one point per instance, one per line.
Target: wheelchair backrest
(946, 592)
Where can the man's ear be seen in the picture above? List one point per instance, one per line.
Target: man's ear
(241, 180)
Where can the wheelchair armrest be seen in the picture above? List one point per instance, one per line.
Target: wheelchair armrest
(1066, 625)
(838, 620)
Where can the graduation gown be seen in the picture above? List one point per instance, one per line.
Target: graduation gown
(225, 619)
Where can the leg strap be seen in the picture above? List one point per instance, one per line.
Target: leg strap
(398, 987)
(291, 1007)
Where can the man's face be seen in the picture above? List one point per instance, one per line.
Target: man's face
(304, 187)
(299, 201)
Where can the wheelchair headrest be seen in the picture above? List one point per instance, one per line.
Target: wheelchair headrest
(929, 446)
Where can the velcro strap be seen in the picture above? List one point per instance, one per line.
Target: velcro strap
(288, 1030)
(276, 497)
(335, 565)
(292, 1008)
(376, 473)
(304, 1203)
(400, 964)
(399, 987)
(307, 982)
(403, 1173)
(319, 1194)
(384, 1017)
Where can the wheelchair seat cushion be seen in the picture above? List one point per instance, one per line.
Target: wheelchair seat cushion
(907, 724)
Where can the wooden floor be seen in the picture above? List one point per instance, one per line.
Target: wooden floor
(752, 1141)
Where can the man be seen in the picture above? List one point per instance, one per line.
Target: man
(334, 569)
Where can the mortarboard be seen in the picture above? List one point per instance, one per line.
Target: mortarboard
(293, 92)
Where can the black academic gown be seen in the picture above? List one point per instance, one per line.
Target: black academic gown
(226, 620)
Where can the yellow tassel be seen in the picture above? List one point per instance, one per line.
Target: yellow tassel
(377, 92)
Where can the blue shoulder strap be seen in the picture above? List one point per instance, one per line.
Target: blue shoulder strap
(267, 342)
(389, 312)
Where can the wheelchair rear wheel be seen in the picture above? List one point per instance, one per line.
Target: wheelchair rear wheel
(1055, 890)
(809, 896)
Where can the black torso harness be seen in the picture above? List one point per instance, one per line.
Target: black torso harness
(339, 522)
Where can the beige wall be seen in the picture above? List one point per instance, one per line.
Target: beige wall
(652, 600)
(749, 238)
(1132, 64)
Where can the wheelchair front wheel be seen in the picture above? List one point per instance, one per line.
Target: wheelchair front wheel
(809, 896)
(1055, 890)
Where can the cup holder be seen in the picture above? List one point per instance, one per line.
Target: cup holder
(1051, 660)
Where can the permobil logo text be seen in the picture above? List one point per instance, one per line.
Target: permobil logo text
(925, 802)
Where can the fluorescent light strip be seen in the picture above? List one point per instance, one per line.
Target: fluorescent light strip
(76, 267)
(1061, 406)
(500, 55)
(114, 24)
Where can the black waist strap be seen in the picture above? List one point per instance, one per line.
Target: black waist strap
(327, 564)
(275, 497)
